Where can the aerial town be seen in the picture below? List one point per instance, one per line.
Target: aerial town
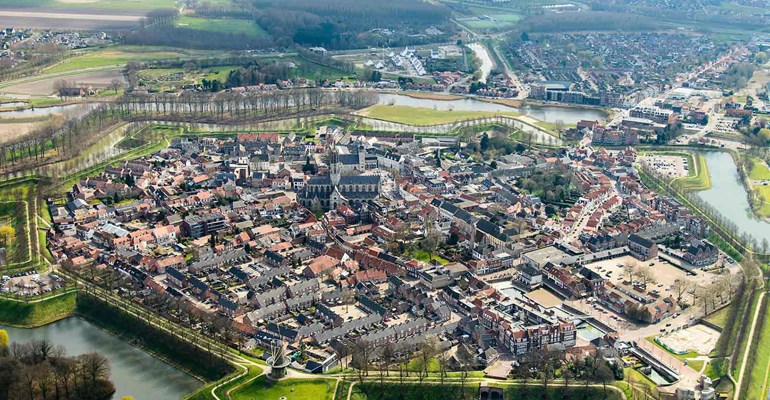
(418, 200)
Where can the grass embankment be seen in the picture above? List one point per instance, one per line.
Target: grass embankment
(434, 391)
(758, 371)
(432, 96)
(719, 318)
(137, 331)
(426, 116)
(31, 315)
(263, 388)
(698, 177)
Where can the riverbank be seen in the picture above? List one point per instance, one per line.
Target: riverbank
(36, 313)
(432, 96)
(206, 366)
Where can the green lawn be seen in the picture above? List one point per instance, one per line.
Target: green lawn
(290, 389)
(719, 318)
(424, 256)
(425, 116)
(37, 314)
(696, 365)
(759, 170)
(221, 25)
(763, 194)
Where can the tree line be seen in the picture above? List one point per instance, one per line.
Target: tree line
(339, 24)
(51, 142)
(40, 370)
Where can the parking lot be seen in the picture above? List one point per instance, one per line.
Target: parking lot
(663, 272)
(29, 283)
(665, 275)
(669, 166)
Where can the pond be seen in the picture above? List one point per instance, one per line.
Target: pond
(728, 195)
(134, 372)
(568, 115)
(486, 61)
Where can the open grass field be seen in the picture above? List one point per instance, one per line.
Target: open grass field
(289, 389)
(425, 116)
(221, 25)
(27, 315)
(759, 170)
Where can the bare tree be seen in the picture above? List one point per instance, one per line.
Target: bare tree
(115, 85)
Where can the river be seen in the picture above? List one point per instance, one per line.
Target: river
(134, 372)
(568, 115)
(728, 195)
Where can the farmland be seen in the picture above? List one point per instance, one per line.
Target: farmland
(221, 25)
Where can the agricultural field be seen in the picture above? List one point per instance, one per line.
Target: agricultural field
(425, 116)
(46, 85)
(119, 56)
(221, 25)
(93, 5)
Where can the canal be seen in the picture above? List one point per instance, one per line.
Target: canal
(568, 115)
(728, 195)
(134, 372)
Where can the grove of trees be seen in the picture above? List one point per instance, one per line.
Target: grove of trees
(40, 370)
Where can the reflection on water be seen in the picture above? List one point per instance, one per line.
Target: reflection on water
(134, 372)
(544, 113)
(71, 110)
(728, 195)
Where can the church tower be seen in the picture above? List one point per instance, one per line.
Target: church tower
(335, 168)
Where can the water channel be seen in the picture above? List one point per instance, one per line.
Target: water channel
(134, 372)
(70, 110)
(568, 115)
(728, 195)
